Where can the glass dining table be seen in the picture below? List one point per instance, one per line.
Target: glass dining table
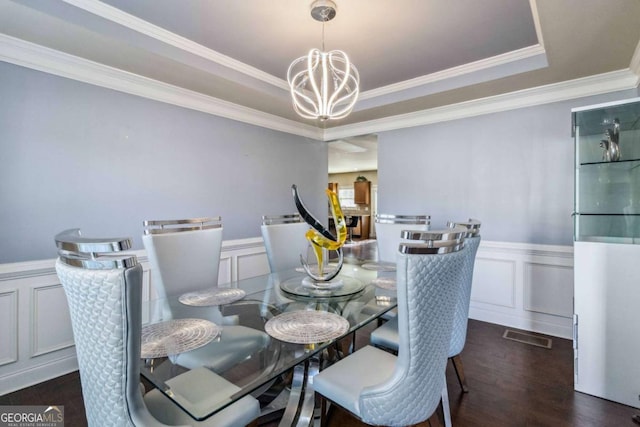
(265, 333)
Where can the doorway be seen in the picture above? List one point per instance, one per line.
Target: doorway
(353, 172)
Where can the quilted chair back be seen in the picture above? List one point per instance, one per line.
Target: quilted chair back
(389, 228)
(104, 301)
(284, 241)
(461, 316)
(184, 254)
(428, 287)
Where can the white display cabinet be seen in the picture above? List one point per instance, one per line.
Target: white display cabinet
(607, 251)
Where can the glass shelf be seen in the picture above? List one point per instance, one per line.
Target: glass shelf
(607, 193)
(620, 163)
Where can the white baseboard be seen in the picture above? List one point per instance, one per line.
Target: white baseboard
(37, 373)
(561, 330)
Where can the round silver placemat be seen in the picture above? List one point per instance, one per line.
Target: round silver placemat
(379, 266)
(216, 296)
(176, 336)
(306, 326)
(385, 283)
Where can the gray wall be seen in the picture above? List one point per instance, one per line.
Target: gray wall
(513, 170)
(75, 155)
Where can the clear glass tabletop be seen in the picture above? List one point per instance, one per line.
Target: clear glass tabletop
(244, 354)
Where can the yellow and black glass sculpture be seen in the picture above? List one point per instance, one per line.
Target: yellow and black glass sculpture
(321, 238)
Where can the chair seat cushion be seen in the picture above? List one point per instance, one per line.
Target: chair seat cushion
(387, 335)
(344, 381)
(202, 389)
(236, 344)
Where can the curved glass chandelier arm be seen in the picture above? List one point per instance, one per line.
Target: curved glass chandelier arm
(314, 60)
(298, 78)
(335, 57)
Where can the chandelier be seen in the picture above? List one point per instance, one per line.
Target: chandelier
(323, 85)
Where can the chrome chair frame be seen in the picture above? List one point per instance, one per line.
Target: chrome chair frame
(403, 219)
(281, 219)
(178, 225)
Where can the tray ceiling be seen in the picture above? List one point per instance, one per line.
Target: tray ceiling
(415, 57)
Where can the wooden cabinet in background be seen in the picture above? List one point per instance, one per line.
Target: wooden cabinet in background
(362, 192)
(362, 230)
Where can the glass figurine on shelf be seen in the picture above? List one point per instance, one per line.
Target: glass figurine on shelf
(321, 238)
(610, 145)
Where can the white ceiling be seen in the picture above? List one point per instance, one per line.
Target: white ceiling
(353, 154)
(420, 61)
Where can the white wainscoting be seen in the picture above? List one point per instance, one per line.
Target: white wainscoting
(519, 285)
(524, 286)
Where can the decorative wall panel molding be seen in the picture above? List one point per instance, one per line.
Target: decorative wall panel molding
(524, 286)
(498, 284)
(548, 289)
(49, 310)
(9, 322)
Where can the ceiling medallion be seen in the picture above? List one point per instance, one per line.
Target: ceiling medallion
(323, 85)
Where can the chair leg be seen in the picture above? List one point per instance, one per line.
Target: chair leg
(435, 420)
(457, 366)
(444, 403)
(326, 410)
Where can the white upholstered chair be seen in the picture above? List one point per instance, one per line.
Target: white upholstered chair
(387, 334)
(388, 229)
(461, 318)
(284, 240)
(104, 293)
(383, 389)
(388, 238)
(185, 256)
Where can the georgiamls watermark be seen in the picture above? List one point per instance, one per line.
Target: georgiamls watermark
(31, 416)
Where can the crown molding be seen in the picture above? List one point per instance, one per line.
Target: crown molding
(30, 55)
(450, 73)
(578, 88)
(141, 26)
(536, 21)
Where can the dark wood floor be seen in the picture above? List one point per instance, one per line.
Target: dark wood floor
(511, 384)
